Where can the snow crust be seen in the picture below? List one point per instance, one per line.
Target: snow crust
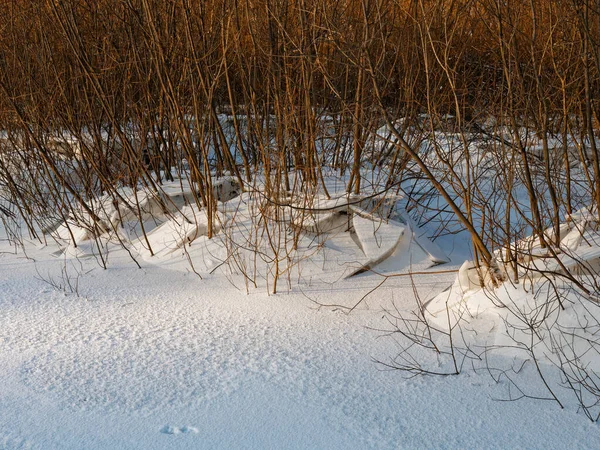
(158, 358)
(185, 352)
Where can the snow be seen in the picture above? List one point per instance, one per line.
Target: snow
(181, 229)
(436, 254)
(145, 355)
(185, 352)
(378, 239)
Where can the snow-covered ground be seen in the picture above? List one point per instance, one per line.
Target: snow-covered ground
(157, 358)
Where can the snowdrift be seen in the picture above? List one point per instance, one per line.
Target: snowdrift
(322, 238)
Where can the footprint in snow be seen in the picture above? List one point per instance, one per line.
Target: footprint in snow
(168, 429)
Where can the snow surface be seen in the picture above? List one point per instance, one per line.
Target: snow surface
(157, 358)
